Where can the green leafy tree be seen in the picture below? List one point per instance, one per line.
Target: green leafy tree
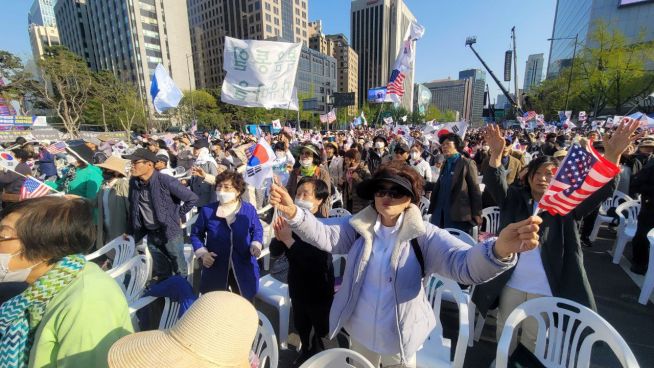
(67, 86)
(21, 83)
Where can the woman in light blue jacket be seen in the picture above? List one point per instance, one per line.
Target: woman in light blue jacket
(381, 302)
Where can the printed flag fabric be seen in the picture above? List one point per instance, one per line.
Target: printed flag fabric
(403, 63)
(331, 116)
(388, 120)
(323, 118)
(164, 92)
(33, 188)
(277, 124)
(260, 163)
(55, 148)
(583, 172)
(260, 73)
(460, 128)
(582, 116)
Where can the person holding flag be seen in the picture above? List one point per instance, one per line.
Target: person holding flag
(11, 181)
(555, 268)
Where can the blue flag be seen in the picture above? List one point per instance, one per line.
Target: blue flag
(164, 92)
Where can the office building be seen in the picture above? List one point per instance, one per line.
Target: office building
(453, 95)
(318, 40)
(42, 13)
(477, 78)
(211, 21)
(316, 78)
(377, 30)
(347, 67)
(580, 16)
(42, 37)
(533, 71)
(130, 38)
(72, 23)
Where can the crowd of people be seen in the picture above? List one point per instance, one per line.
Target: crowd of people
(58, 309)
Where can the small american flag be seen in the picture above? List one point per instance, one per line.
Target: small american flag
(396, 83)
(33, 188)
(59, 147)
(581, 174)
(331, 116)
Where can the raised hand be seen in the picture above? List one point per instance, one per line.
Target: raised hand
(281, 200)
(518, 237)
(494, 140)
(621, 139)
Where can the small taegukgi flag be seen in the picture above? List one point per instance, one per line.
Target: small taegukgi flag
(33, 188)
(583, 172)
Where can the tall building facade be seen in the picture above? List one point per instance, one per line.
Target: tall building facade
(316, 77)
(211, 20)
(42, 37)
(377, 30)
(533, 71)
(347, 67)
(453, 95)
(477, 78)
(42, 13)
(130, 38)
(631, 17)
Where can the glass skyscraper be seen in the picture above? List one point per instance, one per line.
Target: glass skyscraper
(42, 13)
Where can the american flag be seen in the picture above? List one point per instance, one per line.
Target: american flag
(33, 188)
(58, 147)
(396, 83)
(581, 174)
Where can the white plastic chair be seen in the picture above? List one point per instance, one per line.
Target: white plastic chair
(124, 250)
(602, 217)
(169, 315)
(137, 268)
(482, 187)
(424, 205)
(337, 358)
(265, 344)
(180, 172)
(491, 217)
(275, 293)
(339, 212)
(461, 235)
(435, 351)
(566, 334)
(648, 283)
(628, 214)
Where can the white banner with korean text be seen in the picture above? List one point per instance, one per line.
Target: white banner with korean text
(259, 73)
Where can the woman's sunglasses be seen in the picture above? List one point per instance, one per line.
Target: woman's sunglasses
(394, 193)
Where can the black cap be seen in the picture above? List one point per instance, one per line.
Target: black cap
(141, 154)
(201, 143)
(162, 158)
(367, 188)
(82, 153)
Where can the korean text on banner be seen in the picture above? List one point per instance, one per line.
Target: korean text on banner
(260, 73)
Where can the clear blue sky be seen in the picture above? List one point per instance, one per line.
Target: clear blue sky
(441, 53)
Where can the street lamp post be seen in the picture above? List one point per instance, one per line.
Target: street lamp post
(188, 70)
(572, 64)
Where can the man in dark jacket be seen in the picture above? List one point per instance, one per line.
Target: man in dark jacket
(46, 164)
(455, 198)
(155, 212)
(377, 153)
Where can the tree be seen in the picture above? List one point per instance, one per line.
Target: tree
(608, 73)
(67, 85)
(21, 83)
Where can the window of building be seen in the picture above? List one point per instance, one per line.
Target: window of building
(267, 6)
(268, 18)
(268, 28)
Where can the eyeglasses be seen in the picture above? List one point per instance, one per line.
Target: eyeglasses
(306, 153)
(393, 193)
(134, 163)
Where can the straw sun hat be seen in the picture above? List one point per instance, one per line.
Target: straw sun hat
(115, 163)
(217, 331)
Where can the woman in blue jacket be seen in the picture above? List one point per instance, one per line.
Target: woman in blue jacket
(227, 239)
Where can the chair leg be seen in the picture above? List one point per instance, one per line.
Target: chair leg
(620, 243)
(596, 226)
(284, 319)
(479, 327)
(471, 321)
(266, 262)
(648, 283)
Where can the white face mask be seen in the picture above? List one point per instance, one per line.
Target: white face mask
(15, 275)
(225, 197)
(304, 204)
(379, 145)
(281, 156)
(306, 162)
(415, 156)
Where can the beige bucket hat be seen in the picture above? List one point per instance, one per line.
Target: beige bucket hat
(115, 163)
(217, 331)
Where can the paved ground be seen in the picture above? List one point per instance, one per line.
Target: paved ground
(616, 294)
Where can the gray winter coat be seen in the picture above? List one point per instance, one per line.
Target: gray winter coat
(443, 254)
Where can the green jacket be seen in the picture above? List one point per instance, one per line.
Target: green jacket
(87, 182)
(81, 323)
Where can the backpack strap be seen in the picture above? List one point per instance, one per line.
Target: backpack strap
(418, 252)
